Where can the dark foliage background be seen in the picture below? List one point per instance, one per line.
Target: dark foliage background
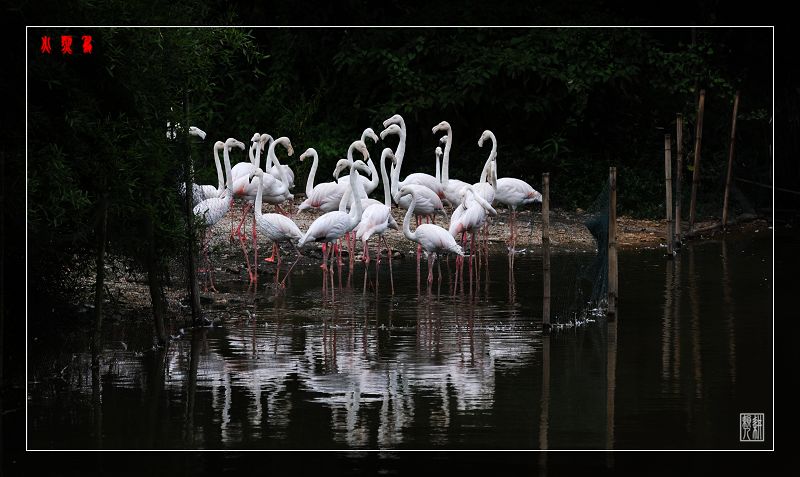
(569, 101)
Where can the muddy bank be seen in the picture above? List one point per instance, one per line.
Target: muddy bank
(128, 292)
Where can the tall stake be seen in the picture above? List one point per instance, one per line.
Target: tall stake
(697, 144)
(546, 250)
(612, 245)
(730, 162)
(679, 180)
(668, 176)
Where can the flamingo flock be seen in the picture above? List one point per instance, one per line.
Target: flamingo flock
(348, 214)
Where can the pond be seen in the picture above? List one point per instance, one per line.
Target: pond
(353, 368)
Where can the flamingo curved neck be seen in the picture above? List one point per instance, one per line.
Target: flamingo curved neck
(356, 209)
(272, 158)
(310, 181)
(220, 177)
(446, 158)
(407, 220)
(487, 166)
(228, 183)
(259, 194)
(387, 197)
(398, 155)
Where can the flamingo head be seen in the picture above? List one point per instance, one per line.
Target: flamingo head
(197, 132)
(310, 152)
(387, 153)
(406, 190)
(442, 126)
(443, 139)
(438, 152)
(396, 119)
(536, 196)
(391, 129)
(486, 135)
(257, 172)
(231, 142)
(256, 137)
(369, 133)
(219, 145)
(265, 139)
(361, 147)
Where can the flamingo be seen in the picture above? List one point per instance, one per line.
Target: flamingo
(245, 168)
(514, 193)
(377, 218)
(275, 192)
(452, 187)
(325, 196)
(369, 185)
(203, 192)
(419, 178)
(431, 237)
(469, 216)
(278, 228)
(212, 210)
(333, 225)
(283, 171)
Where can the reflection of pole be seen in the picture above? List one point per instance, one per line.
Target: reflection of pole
(730, 161)
(612, 245)
(678, 179)
(676, 332)
(697, 144)
(544, 418)
(97, 408)
(696, 356)
(611, 380)
(666, 330)
(728, 298)
(668, 176)
(198, 336)
(546, 251)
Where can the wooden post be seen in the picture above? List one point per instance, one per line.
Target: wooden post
(612, 245)
(679, 180)
(668, 176)
(546, 251)
(697, 145)
(730, 162)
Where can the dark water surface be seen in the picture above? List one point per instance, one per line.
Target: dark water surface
(692, 349)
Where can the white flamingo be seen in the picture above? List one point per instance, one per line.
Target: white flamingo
(428, 202)
(420, 178)
(245, 168)
(207, 191)
(431, 237)
(377, 218)
(438, 153)
(514, 193)
(452, 187)
(278, 228)
(274, 192)
(469, 216)
(324, 196)
(331, 226)
(283, 173)
(212, 210)
(488, 189)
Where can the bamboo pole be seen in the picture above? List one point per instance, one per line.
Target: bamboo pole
(612, 245)
(697, 145)
(679, 179)
(668, 176)
(546, 250)
(730, 162)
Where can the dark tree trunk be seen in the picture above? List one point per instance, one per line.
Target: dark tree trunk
(191, 235)
(155, 281)
(100, 234)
